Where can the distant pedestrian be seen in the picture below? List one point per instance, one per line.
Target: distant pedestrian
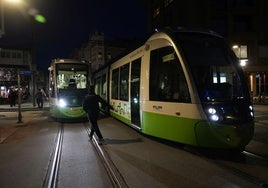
(91, 106)
(39, 98)
(12, 97)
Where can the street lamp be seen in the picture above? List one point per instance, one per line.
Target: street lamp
(14, 1)
(32, 12)
(19, 99)
(11, 2)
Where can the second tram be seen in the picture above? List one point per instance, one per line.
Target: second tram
(68, 85)
(183, 86)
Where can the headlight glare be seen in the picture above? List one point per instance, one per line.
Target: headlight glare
(62, 103)
(251, 110)
(212, 114)
(212, 110)
(214, 117)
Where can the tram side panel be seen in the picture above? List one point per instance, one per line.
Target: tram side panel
(169, 120)
(165, 112)
(125, 88)
(169, 103)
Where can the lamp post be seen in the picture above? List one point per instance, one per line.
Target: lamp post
(19, 99)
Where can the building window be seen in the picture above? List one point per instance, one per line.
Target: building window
(19, 55)
(263, 51)
(3, 54)
(242, 24)
(7, 54)
(241, 51)
(10, 54)
(14, 55)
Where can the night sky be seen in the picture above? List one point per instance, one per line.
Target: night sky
(69, 24)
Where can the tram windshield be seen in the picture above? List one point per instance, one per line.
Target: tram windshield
(214, 67)
(71, 76)
(71, 83)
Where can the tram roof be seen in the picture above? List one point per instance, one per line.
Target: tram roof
(168, 31)
(66, 61)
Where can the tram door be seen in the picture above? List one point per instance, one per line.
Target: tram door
(135, 92)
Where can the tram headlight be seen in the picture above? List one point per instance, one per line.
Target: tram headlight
(212, 113)
(135, 100)
(251, 110)
(62, 103)
(214, 117)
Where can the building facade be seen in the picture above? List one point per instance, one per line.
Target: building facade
(14, 62)
(99, 50)
(242, 22)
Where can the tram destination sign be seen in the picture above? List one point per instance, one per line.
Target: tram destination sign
(26, 72)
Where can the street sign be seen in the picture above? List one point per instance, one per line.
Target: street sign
(26, 72)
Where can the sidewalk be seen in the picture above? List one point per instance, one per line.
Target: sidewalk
(25, 106)
(9, 121)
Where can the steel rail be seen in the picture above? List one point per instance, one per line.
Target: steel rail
(111, 169)
(246, 176)
(248, 153)
(50, 180)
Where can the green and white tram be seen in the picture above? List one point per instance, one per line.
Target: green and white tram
(68, 85)
(183, 86)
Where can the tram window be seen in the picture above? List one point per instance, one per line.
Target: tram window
(52, 92)
(124, 75)
(115, 78)
(167, 80)
(104, 85)
(51, 84)
(81, 80)
(97, 86)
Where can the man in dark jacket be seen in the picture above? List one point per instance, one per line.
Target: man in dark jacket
(39, 98)
(91, 106)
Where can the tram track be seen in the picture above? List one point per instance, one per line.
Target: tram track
(229, 163)
(51, 177)
(53, 169)
(115, 176)
(243, 174)
(255, 155)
